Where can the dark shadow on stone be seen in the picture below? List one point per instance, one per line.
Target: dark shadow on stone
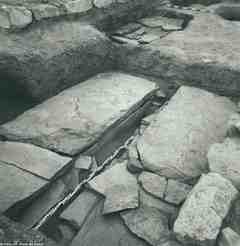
(231, 13)
(13, 100)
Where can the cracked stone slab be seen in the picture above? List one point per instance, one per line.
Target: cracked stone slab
(99, 230)
(15, 233)
(17, 186)
(33, 159)
(89, 109)
(153, 183)
(175, 144)
(147, 223)
(228, 237)
(201, 216)
(80, 208)
(223, 158)
(119, 186)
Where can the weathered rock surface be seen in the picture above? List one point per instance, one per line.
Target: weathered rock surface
(12, 232)
(73, 51)
(175, 145)
(100, 230)
(228, 237)
(176, 192)
(204, 54)
(80, 208)
(153, 183)
(17, 186)
(35, 160)
(89, 109)
(224, 157)
(119, 186)
(147, 223)
(83, 162)
(201, 216)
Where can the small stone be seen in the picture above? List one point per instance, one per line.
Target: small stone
(78, 6)
(83, 162)
(153, 183)
(42, 11)
(15, 17)
(102, 3)
(234, 125)
(223, 158)
(147, 223)
(201, 216)
(119, 186)
(168, 24)
(129, 28)
(176, 191)
(228, 237)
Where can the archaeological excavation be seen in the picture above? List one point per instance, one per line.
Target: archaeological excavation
(120, 122)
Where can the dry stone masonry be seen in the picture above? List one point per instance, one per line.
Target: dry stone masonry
(120, 123)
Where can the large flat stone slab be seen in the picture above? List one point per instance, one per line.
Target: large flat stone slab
(17, 186)
(76, 118)
(204, 54)
(33, 159)
(201, 216)
(118, 186)
(175, 145)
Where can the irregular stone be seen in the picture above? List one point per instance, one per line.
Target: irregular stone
(74, 52)
(90, 109)
(147, 223)
(189, 57)
(228, 237)
(148, 200)
(42, 11)
(176, 191)
(33, 159)
(129, 28)
(80, 208)
(168, 24)
(103, 3)
(78, 6)
(223, 158)
(83, 162)
(17, 186)
(153, 183)
(101, 230)
(201, 216)
(13, 232)
(119, 186)
(175, 145)
(41, 205)
(14, 17)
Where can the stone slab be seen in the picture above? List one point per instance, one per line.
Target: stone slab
(40, 162)
(200, 219)
(175, 145)
(89, 109)
(17, 186)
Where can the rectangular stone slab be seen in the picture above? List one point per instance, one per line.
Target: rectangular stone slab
(175, 144)
(200, 219)
(74, 119)
(17, 186)
(33, 159)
